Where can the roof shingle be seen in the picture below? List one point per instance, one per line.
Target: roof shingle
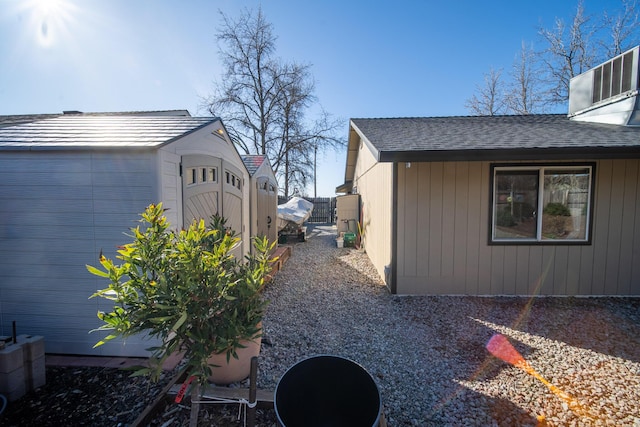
(253, 162)
(455, 138)
(99, 131)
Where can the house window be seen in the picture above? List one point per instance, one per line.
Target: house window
(541, 203)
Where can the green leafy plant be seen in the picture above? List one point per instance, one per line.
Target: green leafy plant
(556, 209)
(186, 289)
(504, 218)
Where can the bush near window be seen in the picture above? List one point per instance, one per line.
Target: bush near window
(557, 209)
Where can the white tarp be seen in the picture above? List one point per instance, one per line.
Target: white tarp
(296, 210)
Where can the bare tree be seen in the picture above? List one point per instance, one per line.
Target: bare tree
(524, 90)
(249, 74)
(539, 80)
(570, 51)
(624, 29)
(489, 99)
(263, 100)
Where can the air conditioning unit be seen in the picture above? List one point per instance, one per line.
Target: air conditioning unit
(608, 93)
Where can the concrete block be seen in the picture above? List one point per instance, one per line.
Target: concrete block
(11, 380)
(11, 358)
(12, 384)
(35, 373)
(33, 346)
(13, 395)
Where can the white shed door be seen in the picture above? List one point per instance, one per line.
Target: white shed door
(232, 183)
(212, 186)
(201, 187)
(267, 205)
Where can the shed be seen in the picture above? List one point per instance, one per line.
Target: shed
(263, 196)
(73, 185)
(542, 204)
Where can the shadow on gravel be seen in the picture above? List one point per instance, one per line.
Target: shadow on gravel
(417, 377)
(609, 326)
(427, 353)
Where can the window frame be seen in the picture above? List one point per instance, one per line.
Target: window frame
(540, 168)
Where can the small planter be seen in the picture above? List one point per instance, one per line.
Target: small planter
(237, 369)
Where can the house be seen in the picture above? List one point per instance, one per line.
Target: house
(507, 205)
(71, 187)
(263, 196)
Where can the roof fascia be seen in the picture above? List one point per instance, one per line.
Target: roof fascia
(356, 136)
(195, 129)
(518, 154)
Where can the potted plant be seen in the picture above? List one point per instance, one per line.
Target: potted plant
(186, 289)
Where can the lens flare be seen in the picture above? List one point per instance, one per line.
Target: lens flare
(500, 347)
(48, 19)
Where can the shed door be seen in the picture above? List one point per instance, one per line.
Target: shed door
(232, 183)
(267, 206)
(201, 187)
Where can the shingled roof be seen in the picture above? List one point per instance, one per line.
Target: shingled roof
(253, 162)
(527, 137)
(99, 131)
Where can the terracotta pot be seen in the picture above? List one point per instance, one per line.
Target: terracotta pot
(237, 369)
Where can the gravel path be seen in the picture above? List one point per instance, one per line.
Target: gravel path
(428, 356)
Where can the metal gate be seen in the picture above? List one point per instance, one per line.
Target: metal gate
(324, 209)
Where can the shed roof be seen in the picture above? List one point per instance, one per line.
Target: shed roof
(253, 162)
(525, 137)
(74, 131)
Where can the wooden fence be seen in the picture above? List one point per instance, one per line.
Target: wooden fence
(324, 209)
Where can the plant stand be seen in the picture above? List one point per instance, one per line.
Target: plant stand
(247, 398)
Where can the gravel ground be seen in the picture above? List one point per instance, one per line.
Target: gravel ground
(427, 354)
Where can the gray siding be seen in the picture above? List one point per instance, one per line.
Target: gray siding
(443, 218)
(57, 212)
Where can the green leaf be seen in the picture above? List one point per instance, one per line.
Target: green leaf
(97, 272)
(180, 321)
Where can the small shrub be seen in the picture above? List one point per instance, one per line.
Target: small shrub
(557, 209)
(504, 218)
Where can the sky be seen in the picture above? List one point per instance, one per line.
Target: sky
(401, 58)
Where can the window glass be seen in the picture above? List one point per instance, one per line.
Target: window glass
(191, 176)
(541, 203)
(515, 204)
(566, 203)
(213, 175)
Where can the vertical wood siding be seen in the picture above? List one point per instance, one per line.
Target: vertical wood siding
(443, 220)
(374, 183)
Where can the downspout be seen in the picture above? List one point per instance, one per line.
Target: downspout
(393, 287)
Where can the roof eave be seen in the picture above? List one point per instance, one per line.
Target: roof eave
(510, 154)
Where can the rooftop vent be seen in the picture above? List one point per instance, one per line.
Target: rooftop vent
(608, 93)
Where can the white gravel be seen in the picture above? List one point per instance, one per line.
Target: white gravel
(427, 354)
